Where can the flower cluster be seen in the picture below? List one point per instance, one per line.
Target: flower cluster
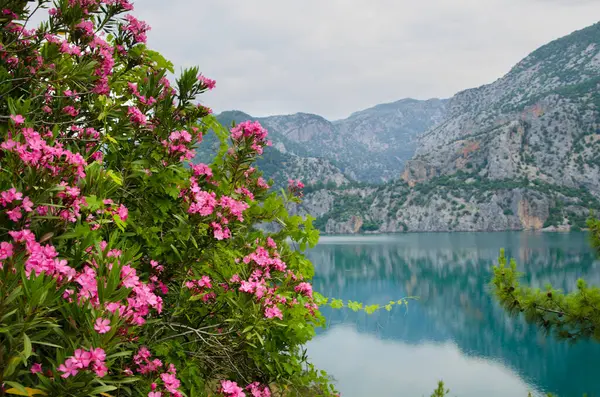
(136, 28)
(6, 251)
(84, 360)
(143, 100)
(72, 201)
(263, 264)
(141, 300)
(201, 169)
(258, 390)
(201, 287)
(36, 153)
(137, 304)
(295, 187)
(136, 116)
(305, 289)
(42, 258)
(225, 209)
(231, 389)
(180, 142)
(11, 196)
(103, 53)
(148, 366)
(206, 82)
(253, 133)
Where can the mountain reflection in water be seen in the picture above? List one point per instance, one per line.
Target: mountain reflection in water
(455, 331)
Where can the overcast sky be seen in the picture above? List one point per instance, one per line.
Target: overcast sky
(333, 57)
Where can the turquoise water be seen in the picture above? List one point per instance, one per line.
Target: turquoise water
(455, 331)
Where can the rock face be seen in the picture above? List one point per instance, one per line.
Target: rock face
(540, 121)
(416, 171)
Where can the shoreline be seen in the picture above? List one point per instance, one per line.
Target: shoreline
(533, 231)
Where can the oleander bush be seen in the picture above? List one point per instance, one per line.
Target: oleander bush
(125, 269)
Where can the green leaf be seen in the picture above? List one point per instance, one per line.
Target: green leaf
(371, 309)
(26, 346)
(102, 389)
(19, 387)
(12, 365)
(116, 178)
(110, 138)
(161, 61)
(120, 354)
(355, 306)
(39, 342)
(337, 304)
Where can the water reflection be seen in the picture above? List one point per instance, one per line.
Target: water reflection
(456, 331)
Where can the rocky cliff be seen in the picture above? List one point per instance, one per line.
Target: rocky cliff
(539, 121)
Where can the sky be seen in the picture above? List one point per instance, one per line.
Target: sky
(334, 57)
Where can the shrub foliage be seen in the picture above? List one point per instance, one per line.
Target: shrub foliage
(125, 270)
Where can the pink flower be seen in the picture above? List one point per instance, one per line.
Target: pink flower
(97, 156)
(305, 289)
(155, 394)
(271, 243)
(70, 110)
(100, 369)
(14, 214)
(6, 250)
(123, 212)
(171, 382)
(67, 295)
(36, 368)
(98, 354)
(87, 27)
(137, 28)
(17, 119)
(258, 391)
(102, 325)
(231, 389)
(129, 277)
(274, 311)
(9, 196)
(136, 116)
(202, 169)
(208, 83)
(82, 358)
(27, 204)
(260, 182)
(69, 368)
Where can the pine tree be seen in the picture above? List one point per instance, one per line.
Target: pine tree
(567, 316)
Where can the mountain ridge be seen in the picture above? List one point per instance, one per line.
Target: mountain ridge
(522, 152)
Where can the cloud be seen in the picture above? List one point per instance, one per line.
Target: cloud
(333, 57)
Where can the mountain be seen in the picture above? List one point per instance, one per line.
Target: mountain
(520, 153)
(540, 120)
(277, 163)
(371, 145)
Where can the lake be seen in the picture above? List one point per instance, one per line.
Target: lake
(456, 331)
